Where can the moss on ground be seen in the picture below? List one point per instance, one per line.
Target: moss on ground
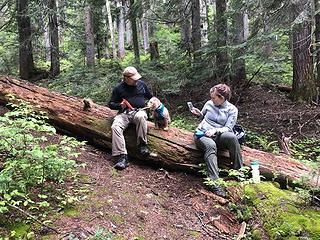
(283, 213)
(17, 230)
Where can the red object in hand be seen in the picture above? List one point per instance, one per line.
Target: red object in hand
(125, 102)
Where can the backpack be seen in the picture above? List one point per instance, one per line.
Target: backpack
(240, 133)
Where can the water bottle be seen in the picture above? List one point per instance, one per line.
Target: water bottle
(255, 172)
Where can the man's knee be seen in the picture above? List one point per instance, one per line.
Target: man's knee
(140, 117)
(116, 127)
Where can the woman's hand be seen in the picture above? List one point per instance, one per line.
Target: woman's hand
(196, 111)
(211, 132)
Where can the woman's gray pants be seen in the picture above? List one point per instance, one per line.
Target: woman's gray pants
(226, 140)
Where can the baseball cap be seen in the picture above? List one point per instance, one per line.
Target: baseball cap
(131, 72)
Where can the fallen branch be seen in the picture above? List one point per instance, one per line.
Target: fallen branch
(242, 231)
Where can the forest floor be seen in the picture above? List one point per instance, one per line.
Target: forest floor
(143, 202)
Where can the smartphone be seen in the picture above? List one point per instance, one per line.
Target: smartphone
(190, 105)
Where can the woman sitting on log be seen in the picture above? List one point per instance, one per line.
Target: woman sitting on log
(215, 131)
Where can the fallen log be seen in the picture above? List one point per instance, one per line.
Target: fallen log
(173, 149)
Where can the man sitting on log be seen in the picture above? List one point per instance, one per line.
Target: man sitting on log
(129, 97)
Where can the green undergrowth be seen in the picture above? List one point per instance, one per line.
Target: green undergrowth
(35, 164)
(83, 82)
(284, 213)
(188, 123)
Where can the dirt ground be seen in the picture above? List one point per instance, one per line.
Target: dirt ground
(268, 110)
(143, 202)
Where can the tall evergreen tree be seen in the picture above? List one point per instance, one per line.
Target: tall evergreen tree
(89, 36)
(111, 29)
(303, 85)
(196, 28)
(132, 14)
(54, 39)
(185, 26)
(222, 35)
(317, 46)
(239, 38)
(26, 64)
(121, 29)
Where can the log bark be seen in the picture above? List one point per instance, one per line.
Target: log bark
(173, 149)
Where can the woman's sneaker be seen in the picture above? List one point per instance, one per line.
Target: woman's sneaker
(217, 190)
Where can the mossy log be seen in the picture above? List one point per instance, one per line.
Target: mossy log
(173, 149)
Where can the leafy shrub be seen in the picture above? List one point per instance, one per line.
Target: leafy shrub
(28, 161)
(263, 142)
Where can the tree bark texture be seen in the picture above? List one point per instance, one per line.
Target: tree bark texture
(222, 35)
(204, 22)
(154, 51)
(317, 45)
(185, 26)
(54, 39)
(89, 36)
(121, 30)
(174, 149)
(303, 84)
(111, 30)
(239, 69)
(47, 42)
(145, 31)
(128, 26)
(135, 40)
(26, 64)
(196, 29)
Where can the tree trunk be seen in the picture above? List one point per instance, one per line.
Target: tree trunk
(47, 42)
(110, 22)
(174, 149)
(54, 39)
(204, 22)
(196, 29)
(89, 37)
(154, 51)
(185, 26)
(303, 85)
(222, 35)
(238, 69)
(128, 26)
(26, 64)
(317, 46)
(145, 31)
(135, 40)
(121, 31)
(151, 22)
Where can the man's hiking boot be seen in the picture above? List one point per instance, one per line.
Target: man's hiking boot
(217, 190)
(122, 162)
(143, 149)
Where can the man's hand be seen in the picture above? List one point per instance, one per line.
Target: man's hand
(211, 132)
(196, 111)
(123, 105)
